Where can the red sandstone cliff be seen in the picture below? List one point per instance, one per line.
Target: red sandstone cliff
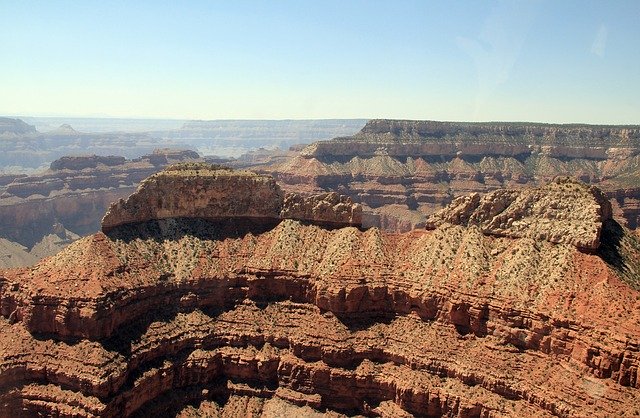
(236, 315)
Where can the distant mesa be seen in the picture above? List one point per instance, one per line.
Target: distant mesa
(214, 192)
(403, 171)
(162, 156)
(159, 157)
(530, 132)
(80, 162)
(407, 137)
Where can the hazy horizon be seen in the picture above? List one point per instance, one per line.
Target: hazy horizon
(529, 61)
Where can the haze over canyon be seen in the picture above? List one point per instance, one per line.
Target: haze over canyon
(337, 268)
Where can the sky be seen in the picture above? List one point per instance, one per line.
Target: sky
(556, 61)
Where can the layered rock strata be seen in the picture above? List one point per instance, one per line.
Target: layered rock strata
(205, 191)
(183, 316)
(403, 171)
(75, 193)
(564, 211)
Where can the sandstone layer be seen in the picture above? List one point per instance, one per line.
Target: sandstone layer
(185, 316)
(403, 171)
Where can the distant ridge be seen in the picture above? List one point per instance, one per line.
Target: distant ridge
(15, 126)
(65, 129)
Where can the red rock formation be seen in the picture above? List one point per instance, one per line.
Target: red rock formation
(176, 315)
(564, 211)
(422, 166)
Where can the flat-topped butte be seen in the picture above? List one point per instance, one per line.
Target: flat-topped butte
(205, 191)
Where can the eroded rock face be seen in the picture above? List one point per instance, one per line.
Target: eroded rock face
(181, 316)
(564, 211)
(207, 191)
(444, 323)
(326, 208)
(198, 191)
(421, 166)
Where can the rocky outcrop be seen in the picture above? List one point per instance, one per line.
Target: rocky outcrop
(82, 162)
(325, 208)
(179, 316)
(198, 191)
(421, 166)
(205, 191)
(564, 211)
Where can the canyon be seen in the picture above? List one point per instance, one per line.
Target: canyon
(50, 195)
(214, 292)
(33, 143)
(53, 208)
(402, 171)
(24, 149)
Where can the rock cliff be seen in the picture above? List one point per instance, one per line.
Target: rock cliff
(211, 192)
(187, 316)
(403, 171)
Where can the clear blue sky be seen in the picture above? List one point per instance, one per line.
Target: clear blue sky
(547, 60)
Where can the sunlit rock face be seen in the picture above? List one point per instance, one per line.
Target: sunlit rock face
(212, 192)
(224, 305)
(564, 211)
(403, 171)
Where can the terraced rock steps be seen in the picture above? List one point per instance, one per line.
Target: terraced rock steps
(402, 171)
(181, 316)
